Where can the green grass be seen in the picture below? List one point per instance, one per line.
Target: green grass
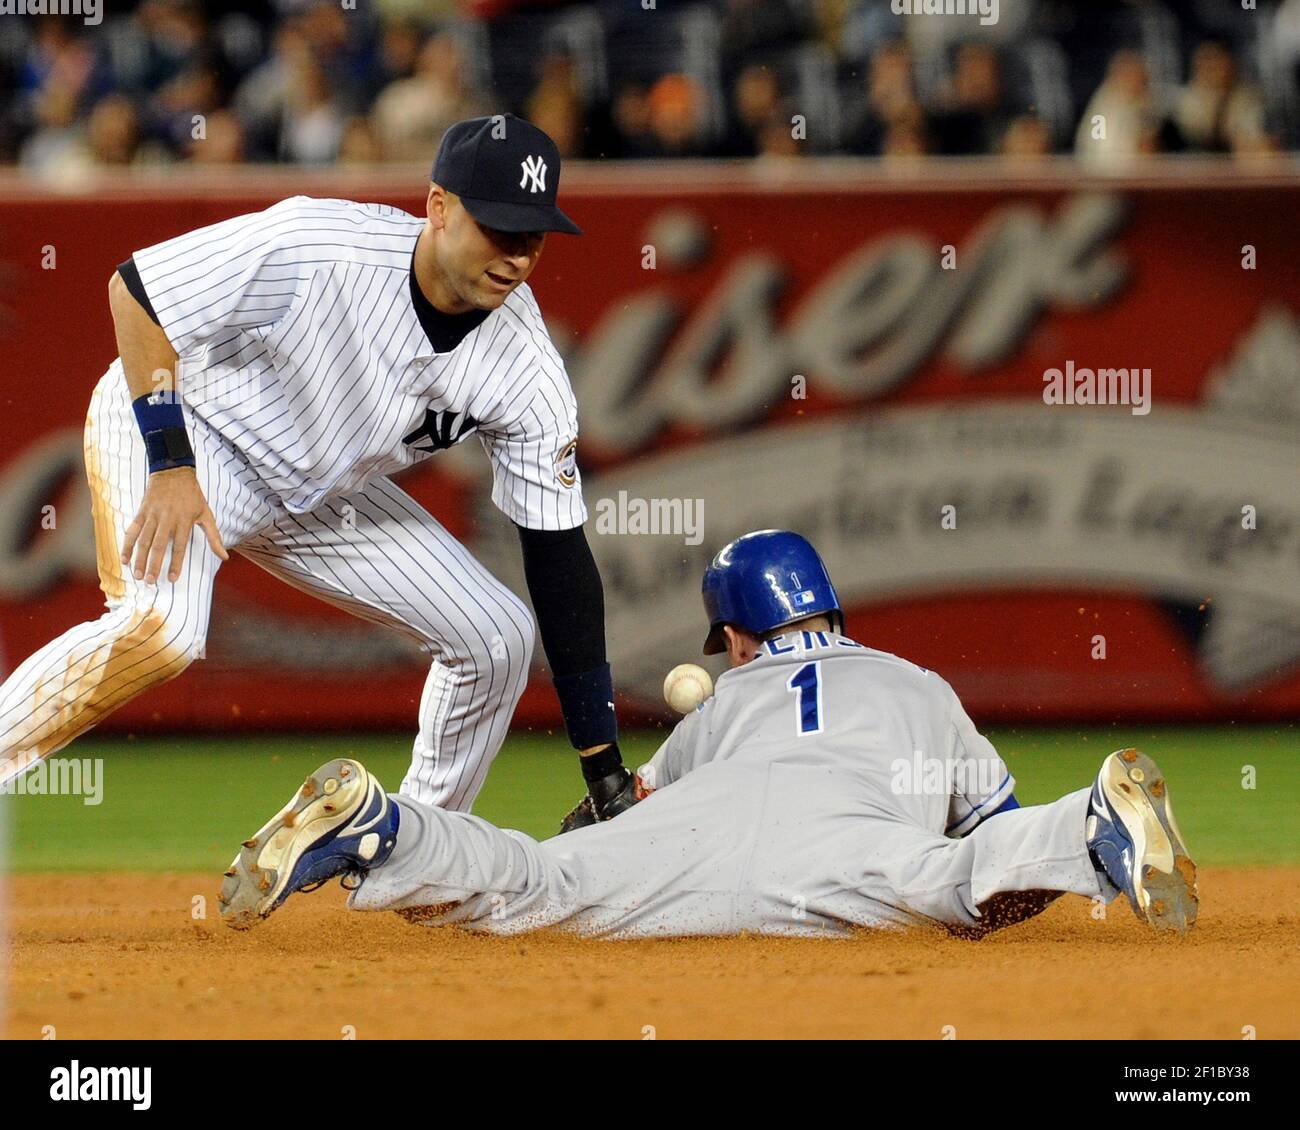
(184, 803)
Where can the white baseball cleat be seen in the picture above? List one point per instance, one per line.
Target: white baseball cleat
(1135, 841)
(340, 823)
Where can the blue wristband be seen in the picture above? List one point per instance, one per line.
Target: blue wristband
(587, 702)
(162, 426)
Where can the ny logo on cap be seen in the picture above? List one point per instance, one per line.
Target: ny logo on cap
(534, 178)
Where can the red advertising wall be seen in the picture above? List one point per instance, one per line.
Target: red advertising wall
(834, 353)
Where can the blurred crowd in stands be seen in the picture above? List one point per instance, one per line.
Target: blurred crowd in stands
(318, 82)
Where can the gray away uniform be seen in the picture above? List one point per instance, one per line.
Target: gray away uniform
(824, 786)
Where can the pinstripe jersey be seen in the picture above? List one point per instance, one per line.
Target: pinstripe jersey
(300, 346)
(891, 734)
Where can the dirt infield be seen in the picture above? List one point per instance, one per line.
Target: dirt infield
(121, 956)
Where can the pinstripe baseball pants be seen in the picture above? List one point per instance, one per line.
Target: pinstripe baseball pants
(377, 554)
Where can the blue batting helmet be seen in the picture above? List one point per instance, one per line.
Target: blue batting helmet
(763, 580)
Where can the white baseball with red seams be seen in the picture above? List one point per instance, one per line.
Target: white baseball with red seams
(686, 686)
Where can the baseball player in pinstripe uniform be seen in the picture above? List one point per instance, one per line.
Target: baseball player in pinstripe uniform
(275, 371)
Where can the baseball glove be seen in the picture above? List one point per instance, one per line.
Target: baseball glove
(605, 799)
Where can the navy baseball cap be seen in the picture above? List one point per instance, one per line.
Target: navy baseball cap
(506, 172)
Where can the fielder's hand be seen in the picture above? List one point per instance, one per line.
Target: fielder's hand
(173, 505)
(605, 799)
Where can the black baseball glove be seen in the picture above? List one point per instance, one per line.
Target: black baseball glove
(605, 799)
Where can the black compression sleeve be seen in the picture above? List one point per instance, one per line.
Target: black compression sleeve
(568, 598)
(131, 276)
(570, 604)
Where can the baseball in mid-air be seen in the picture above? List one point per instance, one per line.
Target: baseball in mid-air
(686, 686)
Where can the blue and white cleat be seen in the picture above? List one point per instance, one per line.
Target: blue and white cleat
(340, 823)
(1134, 839)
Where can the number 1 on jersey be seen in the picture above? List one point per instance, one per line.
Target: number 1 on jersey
(807, 686)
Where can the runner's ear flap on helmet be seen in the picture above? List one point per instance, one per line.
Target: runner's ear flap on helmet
(765, 580)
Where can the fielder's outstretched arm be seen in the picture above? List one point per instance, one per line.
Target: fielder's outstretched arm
(569, 601)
